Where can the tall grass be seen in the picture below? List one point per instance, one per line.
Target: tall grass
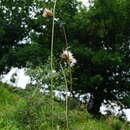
(16, 113)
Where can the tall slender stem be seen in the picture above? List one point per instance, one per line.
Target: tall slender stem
(52, 47)
(71, 80)
(70, 70)
(52, 35)
(66, 42)
(66, 113)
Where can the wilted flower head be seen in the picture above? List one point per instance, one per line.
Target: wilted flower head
(67, 56)
(47, 13)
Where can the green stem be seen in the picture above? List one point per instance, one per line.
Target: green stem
(71, 80)
(35, 90)
(66, 113)
(66, 42)
(52, 35)
(52, 44)
(70, 70)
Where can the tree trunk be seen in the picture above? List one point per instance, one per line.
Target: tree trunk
(94, 105)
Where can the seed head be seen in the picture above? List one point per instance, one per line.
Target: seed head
(47, 13)
(67, 56)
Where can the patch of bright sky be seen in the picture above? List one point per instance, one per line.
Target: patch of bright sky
(85, 2)
(21, 79)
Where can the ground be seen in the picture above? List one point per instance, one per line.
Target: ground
(19, 110)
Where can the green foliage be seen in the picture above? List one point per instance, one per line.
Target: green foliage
(101, 45)
(14, 26)
(42, 75)
(21, 111)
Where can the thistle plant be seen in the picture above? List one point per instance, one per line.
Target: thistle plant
(68, 58)
(45, 75)
(50, 13)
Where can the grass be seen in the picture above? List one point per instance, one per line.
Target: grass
(20, 111)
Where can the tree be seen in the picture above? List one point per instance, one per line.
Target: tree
(102, 48)
(36, 28)
(15, 24)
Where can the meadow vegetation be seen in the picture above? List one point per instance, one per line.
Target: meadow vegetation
(89, 53)
(20, 111)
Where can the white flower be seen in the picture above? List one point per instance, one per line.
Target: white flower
(68, 57)
(73, 62)
(47, 13)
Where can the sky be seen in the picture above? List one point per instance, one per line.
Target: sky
(23, 79)
(85, 2)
